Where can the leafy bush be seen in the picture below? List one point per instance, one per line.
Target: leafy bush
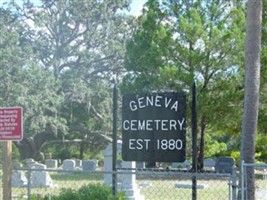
(86, 192)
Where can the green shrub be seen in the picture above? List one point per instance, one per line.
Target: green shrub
(67, 194)
(236, 156)
(88, 192)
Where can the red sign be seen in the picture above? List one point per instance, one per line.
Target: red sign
(11, 126)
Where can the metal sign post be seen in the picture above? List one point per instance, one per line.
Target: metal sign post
(194, 141)
(114, 142)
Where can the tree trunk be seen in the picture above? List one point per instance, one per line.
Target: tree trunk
(26, 148)
(252, 83)
(31, 147)
(82, 145)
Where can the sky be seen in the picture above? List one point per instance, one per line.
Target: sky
(136, 5)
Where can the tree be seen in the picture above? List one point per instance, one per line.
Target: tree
(179, 41)
(76, 55)
(24, 84)
(9, 64)
(263, 73)
(252, 84)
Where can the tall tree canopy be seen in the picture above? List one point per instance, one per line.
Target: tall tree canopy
(74, 54)
(177, 42)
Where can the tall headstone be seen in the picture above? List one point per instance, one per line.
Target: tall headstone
(125, 182)
(108, 165)
(129, 185)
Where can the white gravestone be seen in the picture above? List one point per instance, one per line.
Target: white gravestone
(129, 185)
(30, 162)
(40, 177)
(78, 163)
(108, 163)
(182, 165)
(140, 165)
(18, 179)
(125, 182)
(51, 163)
(17, 165)
(69, 165)
(209, 164)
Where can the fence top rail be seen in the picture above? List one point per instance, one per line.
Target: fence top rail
(130, 171)
(258, 165)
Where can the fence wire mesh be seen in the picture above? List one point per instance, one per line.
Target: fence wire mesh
(260, 174)
(151, 184)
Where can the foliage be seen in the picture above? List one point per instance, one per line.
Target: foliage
(86, 192)
(261, 147)
(213, 146)
(177, 42)
(262, 128)
(67, 60)
(68, 55)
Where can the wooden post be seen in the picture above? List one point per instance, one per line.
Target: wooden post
(7, 169)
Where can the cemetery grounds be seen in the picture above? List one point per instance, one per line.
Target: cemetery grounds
(153, 185)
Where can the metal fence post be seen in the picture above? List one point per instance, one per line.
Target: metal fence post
(242, 180)
(234, 185)
(29, 184)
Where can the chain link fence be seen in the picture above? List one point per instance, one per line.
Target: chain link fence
(150, 184)
(260, 171)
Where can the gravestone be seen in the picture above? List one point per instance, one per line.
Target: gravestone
(89, 165)
(128, 182)
(17, 165)
(30, 162)
(209, 164)
(224, 165)
(140, 165)
(188, 185)
(78, 163)
(18, 179)
(119, 164)
(108, 163)
(96, 162)
(125, 182)
(40, 177)
(181, 165)
(69, 165)
(51, 163)
(186, 164)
